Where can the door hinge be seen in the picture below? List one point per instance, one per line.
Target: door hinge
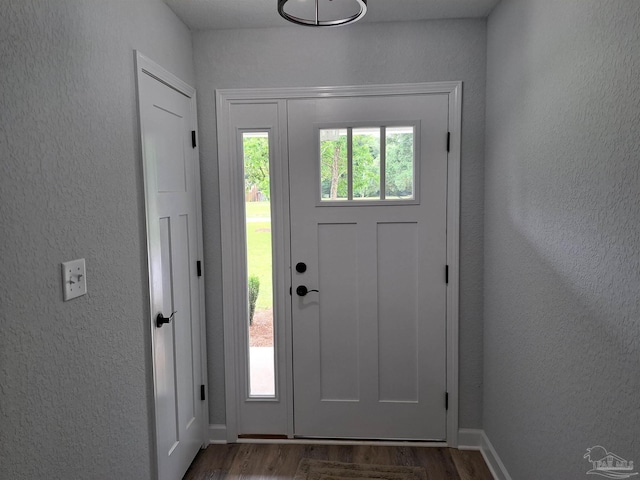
(202, 396)
(446, 274)
(446, 400)
(199, 268)
(448, 141)
(193, 138)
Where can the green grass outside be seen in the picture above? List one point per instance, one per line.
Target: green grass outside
(258, 209)
(259, 256)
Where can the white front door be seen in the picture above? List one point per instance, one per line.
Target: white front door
(368, 203)
(171, 186)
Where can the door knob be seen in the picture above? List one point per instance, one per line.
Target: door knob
(302, 290)
(161, 319)
(301, 267)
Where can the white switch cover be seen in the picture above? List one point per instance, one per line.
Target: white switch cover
(74, 279)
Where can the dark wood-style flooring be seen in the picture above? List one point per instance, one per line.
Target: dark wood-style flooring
(271, 462)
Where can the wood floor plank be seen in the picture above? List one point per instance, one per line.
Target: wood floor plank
(369, 454)
(244, 461)
(471, 465)
(280, 461)
(284, 460)
(405, 456)
(437, 462)
(340, 453)
(212, 463)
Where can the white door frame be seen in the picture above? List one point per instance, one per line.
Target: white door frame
(233, 253)
(144, 66)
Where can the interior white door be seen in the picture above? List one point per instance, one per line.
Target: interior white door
(369, 347)
(170, 174)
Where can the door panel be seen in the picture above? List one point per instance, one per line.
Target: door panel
(171, 196)
(369, 349)
(338, 314)
(397, 291)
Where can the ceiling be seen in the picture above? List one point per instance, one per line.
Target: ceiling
(221, 14)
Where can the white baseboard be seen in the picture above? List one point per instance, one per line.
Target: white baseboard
(470, 439)
(494, 463)
(217, 433)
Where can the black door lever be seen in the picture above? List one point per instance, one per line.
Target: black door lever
(302, 290)
(161, 319)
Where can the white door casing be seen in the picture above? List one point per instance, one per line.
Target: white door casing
(174, 243)
(233, 251)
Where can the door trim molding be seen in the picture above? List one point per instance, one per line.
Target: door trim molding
(227, 97)
(289, 93)
(145, 66)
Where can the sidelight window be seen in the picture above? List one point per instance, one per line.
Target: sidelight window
(259, 255)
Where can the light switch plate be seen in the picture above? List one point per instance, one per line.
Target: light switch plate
(74, 279)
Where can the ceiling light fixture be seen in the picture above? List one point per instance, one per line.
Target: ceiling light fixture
(322, 13)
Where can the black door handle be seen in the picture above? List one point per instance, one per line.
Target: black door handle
(302, 290)
(161, 319)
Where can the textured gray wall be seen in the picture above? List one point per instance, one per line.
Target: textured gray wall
(74, 391)
(360, 54)
(562, 234)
